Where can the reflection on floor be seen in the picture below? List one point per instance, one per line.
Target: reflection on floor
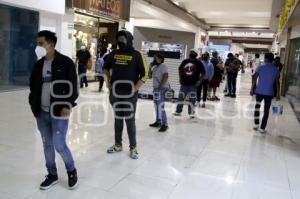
(216, 156)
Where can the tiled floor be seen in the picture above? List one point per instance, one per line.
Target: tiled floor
(216, 156)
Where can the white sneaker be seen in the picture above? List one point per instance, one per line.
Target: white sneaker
(192, 116)
(262, 131)
(255, 127)
(177, 114)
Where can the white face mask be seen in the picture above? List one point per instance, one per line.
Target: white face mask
(40, 52)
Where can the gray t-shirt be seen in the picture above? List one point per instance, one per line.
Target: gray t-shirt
(46, 88)
(157, 75)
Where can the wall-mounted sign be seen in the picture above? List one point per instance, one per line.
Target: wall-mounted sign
(116, 9)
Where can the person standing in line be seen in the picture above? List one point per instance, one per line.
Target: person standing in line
(52, 112)
(191, 73)
(209, 73)
(232, 67)
(83, 56)
(263, 81)
(126, 71)
(99, 66)
(159, 73)
(217, 78)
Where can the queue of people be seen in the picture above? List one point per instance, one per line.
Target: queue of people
(126, 71)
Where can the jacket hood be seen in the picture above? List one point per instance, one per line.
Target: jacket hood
(128, 36)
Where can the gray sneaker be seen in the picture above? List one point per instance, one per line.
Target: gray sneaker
(134, 153)
(115, 149)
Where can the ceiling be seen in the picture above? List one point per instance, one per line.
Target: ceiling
(230, 13)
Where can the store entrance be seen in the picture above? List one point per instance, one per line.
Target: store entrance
(94, 33)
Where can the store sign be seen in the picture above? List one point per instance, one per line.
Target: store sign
(116, 9)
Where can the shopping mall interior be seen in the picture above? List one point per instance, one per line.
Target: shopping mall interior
(213, 151)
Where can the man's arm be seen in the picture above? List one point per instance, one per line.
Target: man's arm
(164, 80)
(73, 79)
(278, 87)
(254, 81)
(107, 67)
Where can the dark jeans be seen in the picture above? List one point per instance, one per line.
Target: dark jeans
(203, 86)
(231, 81)
(124, 109)
(185, 91)
(267, 100)
(82, 75)
(101, 82)
(54, 133)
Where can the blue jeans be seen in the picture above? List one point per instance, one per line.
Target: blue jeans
(54, 133)
(185, 91)
(159, 103)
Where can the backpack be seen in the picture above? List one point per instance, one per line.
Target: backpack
(99, 64)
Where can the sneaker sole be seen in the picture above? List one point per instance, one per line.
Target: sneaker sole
(74, 187)
(46, 188)
(109, 152)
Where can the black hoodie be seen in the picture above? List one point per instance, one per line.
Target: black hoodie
(126, 64)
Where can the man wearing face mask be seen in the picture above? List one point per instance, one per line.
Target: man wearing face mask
(126, 71)
(209, 73)
(53, 92)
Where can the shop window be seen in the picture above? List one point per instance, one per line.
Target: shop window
(18, 29)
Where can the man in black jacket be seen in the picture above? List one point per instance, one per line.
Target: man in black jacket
(126, 72)
(53, 92)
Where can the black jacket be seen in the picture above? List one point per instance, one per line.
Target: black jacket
(63, 68)
(127, 65)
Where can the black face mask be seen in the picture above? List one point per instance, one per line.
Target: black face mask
(205, 58)
(154, 63)
(121, 45)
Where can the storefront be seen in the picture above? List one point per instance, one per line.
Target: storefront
(20, 22)
(96, 22)
(174, 45)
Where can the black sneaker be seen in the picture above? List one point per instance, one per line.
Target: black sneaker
(233, 95)
(163, 128)
(73, 180)
(155, 125)
(228, 95)
(50, 181)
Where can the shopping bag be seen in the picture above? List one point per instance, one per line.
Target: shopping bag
(277, 109)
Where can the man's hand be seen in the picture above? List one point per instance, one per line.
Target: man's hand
(252, 92)
(198, 83)
(278, 98)
(65, 112)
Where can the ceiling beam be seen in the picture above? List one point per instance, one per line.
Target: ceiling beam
(178, 11)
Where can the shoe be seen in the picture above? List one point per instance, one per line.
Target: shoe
(155, 125)
(163, 128)
(227, 95)
(262, 131)
(176, 114)
(225, 91)
(216, 98)
(72, 180)
(233, 96)
(192, 116)
(203, 105)
(115, 149)
(255, 127)
(49, 182)
(134, 153)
